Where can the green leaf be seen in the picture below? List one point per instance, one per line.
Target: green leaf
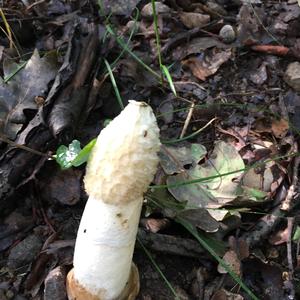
(254, 194)
(296, 236)
(84, 154)
(106, 122)
(66, 155)
(218, 190)
(165, 70)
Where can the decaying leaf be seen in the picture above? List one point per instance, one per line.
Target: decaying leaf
(192, 20)
(214, 192)
(231, 258)
(118, 7)
(17, 96)
(277, 127)
(200, 218)
(196, 46)
(225, 295)
(160, 8)
(263, 179)
(209, 65)
(279, 237)
(280, 127)
(173, 160)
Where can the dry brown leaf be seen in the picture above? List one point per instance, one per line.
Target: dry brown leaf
(279, 237)
(202, 68)
(225, 295)
(231, 258)
(280, 127)
(193, 20)
(155, 225)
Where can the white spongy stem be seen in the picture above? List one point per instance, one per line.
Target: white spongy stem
(122, 165)
(104, 246)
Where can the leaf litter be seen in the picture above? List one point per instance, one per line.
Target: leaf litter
(245, 78)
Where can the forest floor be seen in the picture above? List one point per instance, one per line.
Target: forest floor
(223, 79)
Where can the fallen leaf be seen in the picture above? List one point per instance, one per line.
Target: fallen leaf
(231, 258)
(155, 225)
(17, 96)
(174, 159)
(209, 65)
(196, 46)
(62, 187)
(259, 76)
(225, 295)
(160, 8)
(280, 127)
(119, 7)
(262, 178)
(192, 20)
(214, 192)
(200, 218)
(280, 237)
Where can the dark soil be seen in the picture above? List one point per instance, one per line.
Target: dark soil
(241, 86)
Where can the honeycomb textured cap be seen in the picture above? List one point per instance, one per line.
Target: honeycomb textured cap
(124, 160)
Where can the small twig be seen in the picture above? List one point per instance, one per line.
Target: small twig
(289, 245)
(191, 135)
(289, 282)
(271, 49)
(287, 202)
(8, 141)
(32, 176)
(263, 26)
(187, 120)
(190, 82)
(184, 37)
(34, 4)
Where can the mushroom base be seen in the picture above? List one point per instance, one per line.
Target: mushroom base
(76, 291)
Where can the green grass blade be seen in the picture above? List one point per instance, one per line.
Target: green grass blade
(13, 73)
(259, 164)
(165, 71)
(84, 154)
(191, 135)
(190, 228)
(113, 81)
(124, 46)
(129, 39)
(156, 32)
(158, 270)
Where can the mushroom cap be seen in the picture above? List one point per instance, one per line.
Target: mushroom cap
(124, 160)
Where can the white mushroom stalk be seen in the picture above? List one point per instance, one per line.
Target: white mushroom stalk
(122, 165)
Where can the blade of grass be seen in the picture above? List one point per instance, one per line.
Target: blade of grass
(7, 27)
(165, 71)
(156, 32)
(190, 228)
(205, 179)
(113, 81)
(263, 26)
(191, 135)
(212, 247)
(129, 39)
(8, 32)
(13, 73)
(158, 270)
(123, 45)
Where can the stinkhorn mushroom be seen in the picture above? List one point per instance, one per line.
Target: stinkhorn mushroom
(121, 166)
